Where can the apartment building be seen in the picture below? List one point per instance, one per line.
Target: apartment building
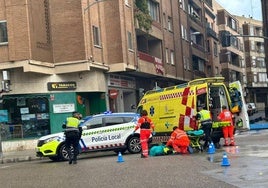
(256, 89)
(59, 56)
(212, 40)
(231, 57)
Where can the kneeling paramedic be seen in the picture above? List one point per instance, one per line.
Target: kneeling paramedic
(179, 140)
(72, 134)
(146, 127)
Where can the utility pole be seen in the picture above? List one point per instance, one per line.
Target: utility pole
(264, 5)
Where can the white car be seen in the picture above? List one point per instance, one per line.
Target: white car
(251, 108)
(103, 132)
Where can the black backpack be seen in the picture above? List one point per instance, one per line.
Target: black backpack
(145, 124)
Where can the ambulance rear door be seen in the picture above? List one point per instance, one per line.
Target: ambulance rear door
(238, 102)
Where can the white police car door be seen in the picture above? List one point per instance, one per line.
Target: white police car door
(103, 133)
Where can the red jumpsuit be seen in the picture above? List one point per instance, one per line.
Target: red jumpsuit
(144, 134)
(179, 140)
(228, 131)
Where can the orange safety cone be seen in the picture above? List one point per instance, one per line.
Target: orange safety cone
(225, 161)
(120, 158)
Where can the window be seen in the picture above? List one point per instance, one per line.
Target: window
(261, 62)
(263, 77)
(3, 32)
(252, 45)
(164, 20)
(186, 63)
(215, 49)
(167, 55)
(182, 4)
(96, 35)
(170, 24)
(232, 24)
(201, 65)
(182, 32)
(253, 61)
(130, 45)
(153, 10)
(251, 30)
(255, 79)
(217, 70)
(208, 46)
(172, 61)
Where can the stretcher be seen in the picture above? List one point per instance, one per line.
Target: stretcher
(195, 137)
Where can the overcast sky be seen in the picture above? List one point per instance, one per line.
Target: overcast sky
(243, 7)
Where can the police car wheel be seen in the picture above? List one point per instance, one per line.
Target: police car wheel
(133, 145)
(56, 158)
(63, 154)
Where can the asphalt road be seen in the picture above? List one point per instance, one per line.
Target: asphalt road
(248, 168)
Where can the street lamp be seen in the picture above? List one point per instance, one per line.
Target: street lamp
(93, 3)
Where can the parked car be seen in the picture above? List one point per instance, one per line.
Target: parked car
(103, 132)
(251, 108)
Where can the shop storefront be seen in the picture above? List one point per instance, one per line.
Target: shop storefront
(27, 116)
(122, 93)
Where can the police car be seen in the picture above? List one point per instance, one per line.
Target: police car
(102, 132)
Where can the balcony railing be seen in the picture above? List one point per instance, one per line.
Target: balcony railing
(157, 62)
(146, 57)
(212, 33)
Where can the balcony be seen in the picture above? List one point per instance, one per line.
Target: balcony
(150, 64)
(212, 33)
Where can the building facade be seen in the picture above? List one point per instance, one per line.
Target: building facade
(92, 56)
(257, 82)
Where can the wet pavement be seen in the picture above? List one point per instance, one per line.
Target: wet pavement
(248, 161)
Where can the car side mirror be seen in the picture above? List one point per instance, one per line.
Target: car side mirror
(84, 128)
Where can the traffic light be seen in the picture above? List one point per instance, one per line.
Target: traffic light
(225, 37)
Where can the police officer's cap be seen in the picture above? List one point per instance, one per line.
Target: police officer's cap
(75, 113)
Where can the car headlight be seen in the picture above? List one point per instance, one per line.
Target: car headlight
(50, 139)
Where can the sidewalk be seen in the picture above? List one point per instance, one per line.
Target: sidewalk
(18, 156)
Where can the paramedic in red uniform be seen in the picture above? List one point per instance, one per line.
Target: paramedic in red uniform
(146, 128)
(179, 140)
(228, 130)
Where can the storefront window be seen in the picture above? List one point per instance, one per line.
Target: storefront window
(28, 117)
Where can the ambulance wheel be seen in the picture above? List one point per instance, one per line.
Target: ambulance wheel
(63, 154)
(133, 145)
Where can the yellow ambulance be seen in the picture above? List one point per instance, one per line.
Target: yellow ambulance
(177, 105)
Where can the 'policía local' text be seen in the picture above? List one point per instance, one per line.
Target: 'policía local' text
(105, 138)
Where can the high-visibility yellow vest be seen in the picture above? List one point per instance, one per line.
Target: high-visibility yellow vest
(205, 115)
(72, 122)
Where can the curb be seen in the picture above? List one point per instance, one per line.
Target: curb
(4, 160)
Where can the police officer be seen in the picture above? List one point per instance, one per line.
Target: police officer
(72, 134)
(204, 117)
